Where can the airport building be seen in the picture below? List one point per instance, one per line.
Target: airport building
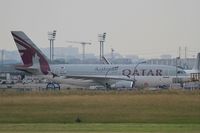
(184, 63)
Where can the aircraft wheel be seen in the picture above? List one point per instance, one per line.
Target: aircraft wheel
(107, 86)
(53, 86)
(57, 86)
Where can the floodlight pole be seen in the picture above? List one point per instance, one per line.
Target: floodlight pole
(54, 36)
(177, 58)
(101, 38)
(100, 58)
(51, 38)
(50, 50)
(104, 38)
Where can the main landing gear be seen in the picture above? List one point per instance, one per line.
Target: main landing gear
(52, 86)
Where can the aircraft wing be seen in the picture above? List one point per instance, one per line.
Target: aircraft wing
(91, 77)
(102, 79)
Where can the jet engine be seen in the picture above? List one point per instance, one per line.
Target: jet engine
(123, 84)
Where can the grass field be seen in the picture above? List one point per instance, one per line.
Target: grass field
(118, 111)
(99, 128)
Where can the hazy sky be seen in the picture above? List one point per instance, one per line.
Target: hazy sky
(148, 28)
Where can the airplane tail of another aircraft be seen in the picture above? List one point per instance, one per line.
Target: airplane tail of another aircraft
(197, 63)
(32, 57)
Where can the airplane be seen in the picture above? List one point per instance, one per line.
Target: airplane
(86, 75)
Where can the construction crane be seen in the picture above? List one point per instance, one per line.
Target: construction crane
(83, 46)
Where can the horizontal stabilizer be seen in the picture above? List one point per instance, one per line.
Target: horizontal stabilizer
(29, 70)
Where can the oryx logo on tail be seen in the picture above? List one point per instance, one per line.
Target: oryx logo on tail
(30, 54)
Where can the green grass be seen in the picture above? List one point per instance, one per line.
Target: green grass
(99, 128)
(100, 111)
(100, 107)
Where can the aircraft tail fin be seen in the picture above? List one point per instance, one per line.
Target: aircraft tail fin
(30, 54)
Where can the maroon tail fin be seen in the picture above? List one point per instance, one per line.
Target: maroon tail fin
(29, 52)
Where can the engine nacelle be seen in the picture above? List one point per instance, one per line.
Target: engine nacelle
(123, 84)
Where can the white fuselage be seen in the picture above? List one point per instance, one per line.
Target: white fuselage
(144, 75)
